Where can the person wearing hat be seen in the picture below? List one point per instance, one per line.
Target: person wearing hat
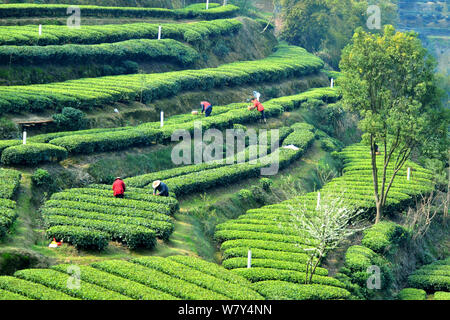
(160, 187)
(118, 188)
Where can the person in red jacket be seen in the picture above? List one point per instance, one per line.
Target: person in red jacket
(118, 188)
(206, 108)
(259, 107)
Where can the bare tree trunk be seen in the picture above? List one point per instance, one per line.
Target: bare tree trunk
(379, 211)
(313, 271)
(375, 179)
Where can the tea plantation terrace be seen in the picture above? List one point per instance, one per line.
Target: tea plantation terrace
(278, 247)
(286, 62)
(196, 11)
(59, 144)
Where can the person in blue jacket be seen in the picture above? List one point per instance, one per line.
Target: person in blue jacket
(161, 188)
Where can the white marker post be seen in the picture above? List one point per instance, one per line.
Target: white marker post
(40, 29)
(159, 33)
(24, 136)
(408, 174)
(249, 258)
(162, 119)
(332, 83)
(318, 200)
(207, 4)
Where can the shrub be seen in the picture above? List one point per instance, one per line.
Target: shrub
(8, 129)
(287, 61)
(210, 268)
(382, 235)
(412, 294)
(70, 119)
(281, 290)
(441, 295)
(157, 280)
(245, 194)
(9, 183)
(58, 281)
(59, 10)
(114, 283)
(263, 274)
(79, 237)
(41, 178)
(31, 290)
(203, 280)
(33, 153)
(266, 183)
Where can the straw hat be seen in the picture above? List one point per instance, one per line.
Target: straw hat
(156, 184)
(118, 178)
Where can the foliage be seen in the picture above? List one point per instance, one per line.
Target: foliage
(33, 153)
(70, 119)
(381, 236)
(432, 277)
(59, 35)
(138, 49)
(31, 290)
(287, 61)
(306, 23)
(79, 237)
(281, 290)
(389, 81)
(57, 10)
(89, 217)
(8, 129)
(412, 294)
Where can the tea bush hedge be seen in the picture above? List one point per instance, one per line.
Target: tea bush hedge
(215, 11)
(33, 153)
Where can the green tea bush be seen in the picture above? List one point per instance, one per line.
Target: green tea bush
(101, 34)
(31, 290)
(70, 119)
(203, 280)
(157, 280)
(59, 280)
(114, 283)
(441, 295)
(33, 153)
(412, 294)
(79, 237)
(41, 178)
(137, 49)
(282, 290)
(8, 129)
(287, 61)
(383, 235)
(59, 10)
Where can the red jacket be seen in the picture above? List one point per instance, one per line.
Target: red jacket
(118, 187)
(205, 105)
(258, 105)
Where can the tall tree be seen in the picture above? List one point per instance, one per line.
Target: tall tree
(306, 23)
(389, 80)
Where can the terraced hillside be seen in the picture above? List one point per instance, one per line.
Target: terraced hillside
(155, 278)
(278, 249)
